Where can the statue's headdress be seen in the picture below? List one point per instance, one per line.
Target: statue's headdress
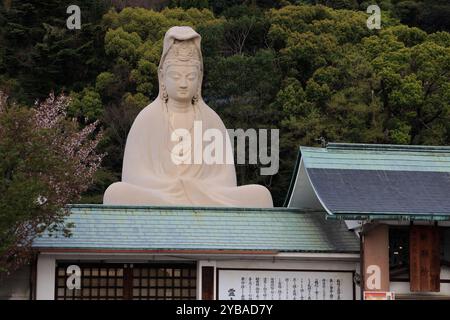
(181, 46)
(182, 52)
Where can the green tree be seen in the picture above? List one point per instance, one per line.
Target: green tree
(314, 70)
(39, 54)
(46, 162)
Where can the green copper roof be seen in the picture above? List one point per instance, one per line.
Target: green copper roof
(377, 157)
(186, 228)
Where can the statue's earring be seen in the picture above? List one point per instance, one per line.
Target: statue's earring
(195, 99)
(165, 96)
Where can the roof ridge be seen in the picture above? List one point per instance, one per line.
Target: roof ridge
(96, 206)
(387, 147)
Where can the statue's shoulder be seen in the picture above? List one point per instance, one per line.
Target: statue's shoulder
(149, 113)
(212, 116)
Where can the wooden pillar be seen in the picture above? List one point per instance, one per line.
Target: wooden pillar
(207, 283)
(33, 276)
(376, 258)
(128, 282)
(424, 258)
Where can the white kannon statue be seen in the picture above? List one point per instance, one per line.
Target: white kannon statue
(150, 175)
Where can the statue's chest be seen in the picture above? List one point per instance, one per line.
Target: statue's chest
(182, 154)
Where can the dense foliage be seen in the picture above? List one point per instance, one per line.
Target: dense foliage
(310, 68)
(46, 162)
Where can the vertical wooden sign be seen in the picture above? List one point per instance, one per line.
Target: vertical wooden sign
(424, 258)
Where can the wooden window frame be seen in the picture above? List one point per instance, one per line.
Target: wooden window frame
(129, 281)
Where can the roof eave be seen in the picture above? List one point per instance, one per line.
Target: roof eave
(390, 216)
(153, 251)
(68, 250)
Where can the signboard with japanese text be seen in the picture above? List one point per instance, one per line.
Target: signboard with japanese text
(248, 284)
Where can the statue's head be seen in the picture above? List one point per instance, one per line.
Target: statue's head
(181, 66)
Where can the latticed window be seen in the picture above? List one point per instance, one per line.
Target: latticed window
(105, 281)
(167, 283)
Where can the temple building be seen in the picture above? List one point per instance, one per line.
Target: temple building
(358, 218)
(397, 199)
(199, 253)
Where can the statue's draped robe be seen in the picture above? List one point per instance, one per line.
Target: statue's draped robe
(150, 176)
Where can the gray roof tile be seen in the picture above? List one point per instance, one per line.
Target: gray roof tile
(183, 228)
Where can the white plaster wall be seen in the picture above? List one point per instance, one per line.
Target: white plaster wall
(329, 265)
(303, 195)
(45, 281)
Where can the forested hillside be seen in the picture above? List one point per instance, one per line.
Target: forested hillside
(310, 68)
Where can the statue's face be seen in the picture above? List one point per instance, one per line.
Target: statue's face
(181, 82)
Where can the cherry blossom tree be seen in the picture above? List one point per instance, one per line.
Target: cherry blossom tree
(46, 162)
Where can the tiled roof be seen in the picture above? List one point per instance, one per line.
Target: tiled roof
(376, 180)
(377, 157)
(184, 228)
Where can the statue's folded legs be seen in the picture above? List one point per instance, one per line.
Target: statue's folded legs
(188, 193)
